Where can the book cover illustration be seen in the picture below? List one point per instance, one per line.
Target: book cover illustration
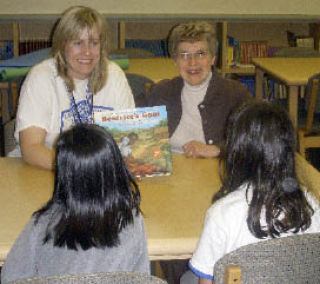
(142, 137)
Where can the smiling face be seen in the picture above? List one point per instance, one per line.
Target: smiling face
(194, 61)
(83, 54)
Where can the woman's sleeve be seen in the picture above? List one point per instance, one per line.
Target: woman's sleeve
(34, 107)
(20, 262)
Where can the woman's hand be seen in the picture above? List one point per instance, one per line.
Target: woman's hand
(195, 149)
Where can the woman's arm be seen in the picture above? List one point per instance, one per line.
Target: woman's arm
(195, 149)
(33, 149)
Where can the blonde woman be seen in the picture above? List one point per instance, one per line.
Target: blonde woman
(69, 87)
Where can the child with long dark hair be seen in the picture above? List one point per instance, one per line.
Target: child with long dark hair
(93, 221)
(260, 196)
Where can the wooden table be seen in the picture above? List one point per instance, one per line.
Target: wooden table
(293, 72)
(155, 68)
(174, 206)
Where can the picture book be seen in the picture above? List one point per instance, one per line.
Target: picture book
(142, 137)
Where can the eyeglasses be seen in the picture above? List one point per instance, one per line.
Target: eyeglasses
(196, 55)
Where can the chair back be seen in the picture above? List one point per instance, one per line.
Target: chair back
(133, 53)
(9, 94)
(294, 260)
(312, 105)
(8, 135)
(309, 133)
(313, 93)
(140, 85)
(99, 278)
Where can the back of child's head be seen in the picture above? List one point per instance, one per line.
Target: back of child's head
(260, 143)
(94, 190)
(260, 152)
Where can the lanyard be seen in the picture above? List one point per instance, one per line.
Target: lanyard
(83, 111)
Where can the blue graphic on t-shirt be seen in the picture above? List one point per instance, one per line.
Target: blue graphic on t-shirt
(68, 118)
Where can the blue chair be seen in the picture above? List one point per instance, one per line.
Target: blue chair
(140, 86)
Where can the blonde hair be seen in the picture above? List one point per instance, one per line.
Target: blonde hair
(73, 21)
(192, 32)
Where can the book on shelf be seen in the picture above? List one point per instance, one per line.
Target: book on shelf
(230, 50)
(6, 49)
(246, 50)
(143, 138)
(230, 58)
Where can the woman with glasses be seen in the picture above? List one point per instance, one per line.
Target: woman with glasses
(70, 86)
(199, 100)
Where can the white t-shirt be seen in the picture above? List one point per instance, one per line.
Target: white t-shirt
(225, 229)
(44, 101)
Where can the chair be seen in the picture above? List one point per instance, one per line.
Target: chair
(309, 135)
(294, 260)
(8, 133)
(133, 52)
(99, 278)
(140, 86)
(9, 93)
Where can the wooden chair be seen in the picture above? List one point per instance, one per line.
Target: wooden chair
(294, 260)
(99, 278)
(9, 93)
(308, 136)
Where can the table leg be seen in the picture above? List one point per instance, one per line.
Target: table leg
(258, 89)
(293, 104)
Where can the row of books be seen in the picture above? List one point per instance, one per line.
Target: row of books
(6, 47)
(241, 52)
(28, 46)
(275, 90)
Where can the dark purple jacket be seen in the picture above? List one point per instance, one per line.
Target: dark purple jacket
(221, 97)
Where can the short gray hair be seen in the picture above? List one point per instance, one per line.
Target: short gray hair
(192, 32)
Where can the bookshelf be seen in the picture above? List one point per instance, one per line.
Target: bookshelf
(245, 28)
(272, 31)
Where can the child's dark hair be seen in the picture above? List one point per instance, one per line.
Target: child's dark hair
(260, 153)
(94, 194)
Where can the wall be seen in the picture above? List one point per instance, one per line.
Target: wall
(309, 8)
